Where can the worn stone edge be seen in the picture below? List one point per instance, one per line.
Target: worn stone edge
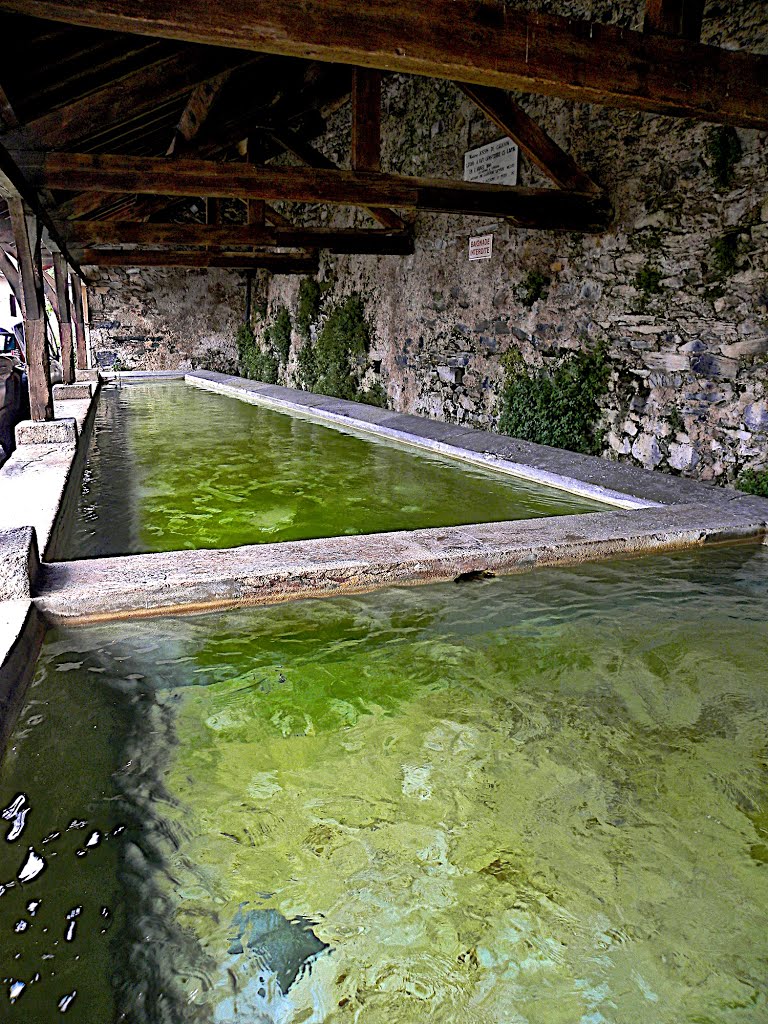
(199, 580)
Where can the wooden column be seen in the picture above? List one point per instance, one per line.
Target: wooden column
(256, 209)
(26, 231)
(681, 18)
(366, 120)
(65, 318)
(77, 308)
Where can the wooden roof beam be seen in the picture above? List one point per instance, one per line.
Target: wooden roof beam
(195, 113)
(339, 240)
(277, 263)
(537, 145)
(481, 42)
(548, 209)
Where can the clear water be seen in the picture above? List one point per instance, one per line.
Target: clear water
(536, 799)
(172, 467)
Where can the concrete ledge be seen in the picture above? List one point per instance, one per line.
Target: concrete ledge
(33, 482)
(65, 392)
(184, 581)
(616, 483)
(81, 375)
(63, 431)
(19, 563)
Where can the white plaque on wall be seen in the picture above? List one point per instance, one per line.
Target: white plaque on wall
(481, 247)
(494, 164)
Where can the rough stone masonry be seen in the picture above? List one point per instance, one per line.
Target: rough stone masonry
(677, 289)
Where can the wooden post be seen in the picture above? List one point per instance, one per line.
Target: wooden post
(77, 305)
(65, 318)
(26, 231)
(366, 120)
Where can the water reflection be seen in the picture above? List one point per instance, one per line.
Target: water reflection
(539, 799)
(174, 467)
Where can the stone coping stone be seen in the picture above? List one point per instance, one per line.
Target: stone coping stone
(67, 392)
(60, 431)
(19, 563)
(197, 580)
(617, 483)
(82, 375)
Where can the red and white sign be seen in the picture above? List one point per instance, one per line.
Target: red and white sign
(481, 247)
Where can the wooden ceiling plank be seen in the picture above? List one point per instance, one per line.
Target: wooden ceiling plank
(531, 208)
(537, 145)
(366, 120)
(121, 100)
(483, 42)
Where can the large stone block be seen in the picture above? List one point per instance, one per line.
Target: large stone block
(63, 392)
(63, 431)
(19, 563)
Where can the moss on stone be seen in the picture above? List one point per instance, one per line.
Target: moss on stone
(724, 152)
(648, 280)
(278, 335)
(725, 254)
(533, 287)
(309, 305)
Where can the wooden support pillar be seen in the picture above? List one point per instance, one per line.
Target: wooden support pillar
(681, 18)
(255, 209)
(366, 120)
(26, 231)
(11, 275)
(65, 318)
(79, 321)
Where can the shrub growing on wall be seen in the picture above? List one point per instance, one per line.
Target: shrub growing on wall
(278, 335)
(255, 362)
(309, 305)
(341, 349)
(754, 481)
(560, 405)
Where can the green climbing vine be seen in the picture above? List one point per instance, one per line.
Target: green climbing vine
(558, 405)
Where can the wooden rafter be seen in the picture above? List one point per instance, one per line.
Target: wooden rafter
(540, 149)
(340, 240)
(195, 113)
(304, 151)
(526, 207)
(11, 274)
(8, 119)
(123, 100)
(277, 263)
(482, 42)
(682, 18)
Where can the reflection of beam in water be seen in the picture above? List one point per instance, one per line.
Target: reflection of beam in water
(268, 954)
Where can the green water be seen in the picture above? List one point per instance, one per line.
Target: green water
(171, 467)
(534, 800)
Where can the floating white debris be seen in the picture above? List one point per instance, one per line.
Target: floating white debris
(93, 839)
(32, 906)
(66, 1001)
(17, 987)
(32, 867)
(21, 926)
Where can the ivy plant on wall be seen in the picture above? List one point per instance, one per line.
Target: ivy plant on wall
(256, 362)
(558, 405)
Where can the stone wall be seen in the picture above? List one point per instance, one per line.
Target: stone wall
(676, 290)
(166, 319)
